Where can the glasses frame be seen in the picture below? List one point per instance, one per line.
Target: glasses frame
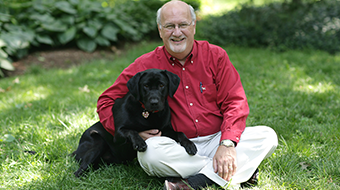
(179, 26)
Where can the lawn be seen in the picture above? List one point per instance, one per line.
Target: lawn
(297, 93)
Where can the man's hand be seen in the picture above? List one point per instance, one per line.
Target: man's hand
(224, 162)
(150, 133)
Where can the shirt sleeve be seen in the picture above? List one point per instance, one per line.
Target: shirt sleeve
(231, 99)
(107, 99)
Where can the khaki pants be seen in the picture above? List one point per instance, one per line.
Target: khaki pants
(165, 157)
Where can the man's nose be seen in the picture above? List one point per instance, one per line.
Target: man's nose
(177, 31)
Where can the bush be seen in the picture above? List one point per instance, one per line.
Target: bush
(85, 23)
(25, 24)
(281, 26)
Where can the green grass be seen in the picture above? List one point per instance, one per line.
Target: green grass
(296, 93)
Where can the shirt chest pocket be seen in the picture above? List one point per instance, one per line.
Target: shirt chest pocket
(209, 93)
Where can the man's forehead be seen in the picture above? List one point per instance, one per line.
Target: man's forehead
(175, 13)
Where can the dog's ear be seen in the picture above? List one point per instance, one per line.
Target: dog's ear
(133, 85)
(174, 81)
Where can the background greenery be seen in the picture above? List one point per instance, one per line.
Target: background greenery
(87, 24)
(296, 92)
(279, 26)
(84, 23)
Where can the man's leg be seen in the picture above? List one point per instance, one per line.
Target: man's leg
(256, 144)
(164, 157)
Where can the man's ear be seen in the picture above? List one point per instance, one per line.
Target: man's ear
(133, 85)
(195, 27)
(174, 81)
(159, 30)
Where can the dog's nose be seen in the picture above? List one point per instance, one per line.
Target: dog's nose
(154, 101)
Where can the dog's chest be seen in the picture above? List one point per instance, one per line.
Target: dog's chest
(153, 121)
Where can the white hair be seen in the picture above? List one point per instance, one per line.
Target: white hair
(192, 12)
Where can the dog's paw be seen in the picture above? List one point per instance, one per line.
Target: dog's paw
(78, 173)
(140, 147)
(190, 147)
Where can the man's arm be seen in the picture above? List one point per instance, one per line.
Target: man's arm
(232, 100)
(234, 106)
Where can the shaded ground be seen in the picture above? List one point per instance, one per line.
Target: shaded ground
(59, 58)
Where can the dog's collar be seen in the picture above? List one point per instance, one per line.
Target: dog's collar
(145, 112)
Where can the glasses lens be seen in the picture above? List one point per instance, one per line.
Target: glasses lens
(181, 26)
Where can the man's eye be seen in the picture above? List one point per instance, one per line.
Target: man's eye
(183, 25)
(170, 26)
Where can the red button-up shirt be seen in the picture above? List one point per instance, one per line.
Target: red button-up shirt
(209, 99)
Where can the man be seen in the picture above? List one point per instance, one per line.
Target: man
(209, 106)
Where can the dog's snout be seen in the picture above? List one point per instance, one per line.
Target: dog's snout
(154, 101)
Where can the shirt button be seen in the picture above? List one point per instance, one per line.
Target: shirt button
(183, 69)
(196, 120)
(173, 58)
(191, 104)
(173, 64)
(237, 138)
(192, 61)
(186, 87)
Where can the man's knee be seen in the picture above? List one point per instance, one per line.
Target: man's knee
(271, 139)
(165, 157)
(157, 149)
(271, 136)
(159, 156)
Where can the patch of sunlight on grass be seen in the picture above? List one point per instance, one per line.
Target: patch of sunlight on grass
(307, 85)
(266, 181)
(21, 97)
(38, 93)
(20, 175)
(76, 123)
(337, 57)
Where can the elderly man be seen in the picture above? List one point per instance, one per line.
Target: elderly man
(210, 107)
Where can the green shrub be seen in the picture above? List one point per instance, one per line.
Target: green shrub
(281, 26)
(85, 23)
(25, 24)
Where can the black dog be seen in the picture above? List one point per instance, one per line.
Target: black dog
(144, 107)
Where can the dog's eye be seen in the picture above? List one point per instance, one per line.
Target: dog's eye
(161, 85)
(146, 86)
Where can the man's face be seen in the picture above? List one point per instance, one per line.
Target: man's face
(177, 30)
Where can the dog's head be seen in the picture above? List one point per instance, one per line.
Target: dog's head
(152, 86)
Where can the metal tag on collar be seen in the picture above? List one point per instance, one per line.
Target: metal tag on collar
(145, 114)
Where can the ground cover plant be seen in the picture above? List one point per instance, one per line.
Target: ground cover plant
(89, 24)
(297, 93)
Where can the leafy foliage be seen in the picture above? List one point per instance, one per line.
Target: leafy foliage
(281, 26)
(86, 23)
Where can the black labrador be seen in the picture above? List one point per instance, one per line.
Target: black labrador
(144, 107)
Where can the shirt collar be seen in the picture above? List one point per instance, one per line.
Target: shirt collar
(190, 56)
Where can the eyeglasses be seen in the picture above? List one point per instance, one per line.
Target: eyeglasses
(171, 27)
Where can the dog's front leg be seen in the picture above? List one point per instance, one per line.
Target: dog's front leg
(137, 142)
(180, 137)
(189, 146)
